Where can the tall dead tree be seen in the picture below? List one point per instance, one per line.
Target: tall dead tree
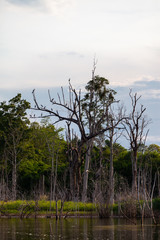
(135, 127)
(89, 114)
(96, 105)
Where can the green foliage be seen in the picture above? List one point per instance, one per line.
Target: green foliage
(13, 114)
(44, 143)
(99, 86)
(44, 206)
(123, 165)
(96, 101)
(154, 148)
(13, 122)
(79, 206)
(12, 205)
(156, 204)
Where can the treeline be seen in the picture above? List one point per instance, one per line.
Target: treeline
(38, 160)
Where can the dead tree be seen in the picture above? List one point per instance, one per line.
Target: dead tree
(96, 107)
(74, 112)
(135, 125)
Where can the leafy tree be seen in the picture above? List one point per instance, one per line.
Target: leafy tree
(123, 166)
(31, 167)
(154, 147)
(44, 158)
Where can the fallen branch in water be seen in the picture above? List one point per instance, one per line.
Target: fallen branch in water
(127, 217)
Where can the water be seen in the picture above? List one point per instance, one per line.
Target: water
(77, 228)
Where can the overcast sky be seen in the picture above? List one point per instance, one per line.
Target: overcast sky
(43, 43)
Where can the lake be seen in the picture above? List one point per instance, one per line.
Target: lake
(77, 228)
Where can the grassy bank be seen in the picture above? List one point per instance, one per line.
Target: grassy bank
(47, 208)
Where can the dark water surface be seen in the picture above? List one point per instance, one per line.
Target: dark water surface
(77, 228)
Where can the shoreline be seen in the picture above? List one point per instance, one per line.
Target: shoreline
(50, 215)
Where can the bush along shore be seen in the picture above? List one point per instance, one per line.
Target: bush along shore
(129, 209)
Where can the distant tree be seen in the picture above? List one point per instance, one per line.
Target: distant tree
(154, 148)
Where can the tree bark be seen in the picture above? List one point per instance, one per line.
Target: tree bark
(134, 173)
(14, 181)
(111, 173)
(86, 170)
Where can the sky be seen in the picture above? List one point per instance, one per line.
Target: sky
(43, 43)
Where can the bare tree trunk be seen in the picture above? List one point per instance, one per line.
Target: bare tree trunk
(100, 169)
(134, 174)
(56, 208)
(141, 185)
(111, 173)
(73, 165)
(86, 170)
(6, 177)
(55, 177)
(14, 180)
(158, 184)
(51, 186)
(43, 184)
(71, 178)
(3, 186)
(73, 158)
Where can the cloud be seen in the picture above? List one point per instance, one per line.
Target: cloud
(21, 1)
(74, 54)
(151, 94)
(153, 139)
(56, 7)
(24, 2)
(61, 54)
(148, 84)
(147, 87)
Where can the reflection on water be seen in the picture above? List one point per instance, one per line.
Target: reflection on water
(77, 228)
